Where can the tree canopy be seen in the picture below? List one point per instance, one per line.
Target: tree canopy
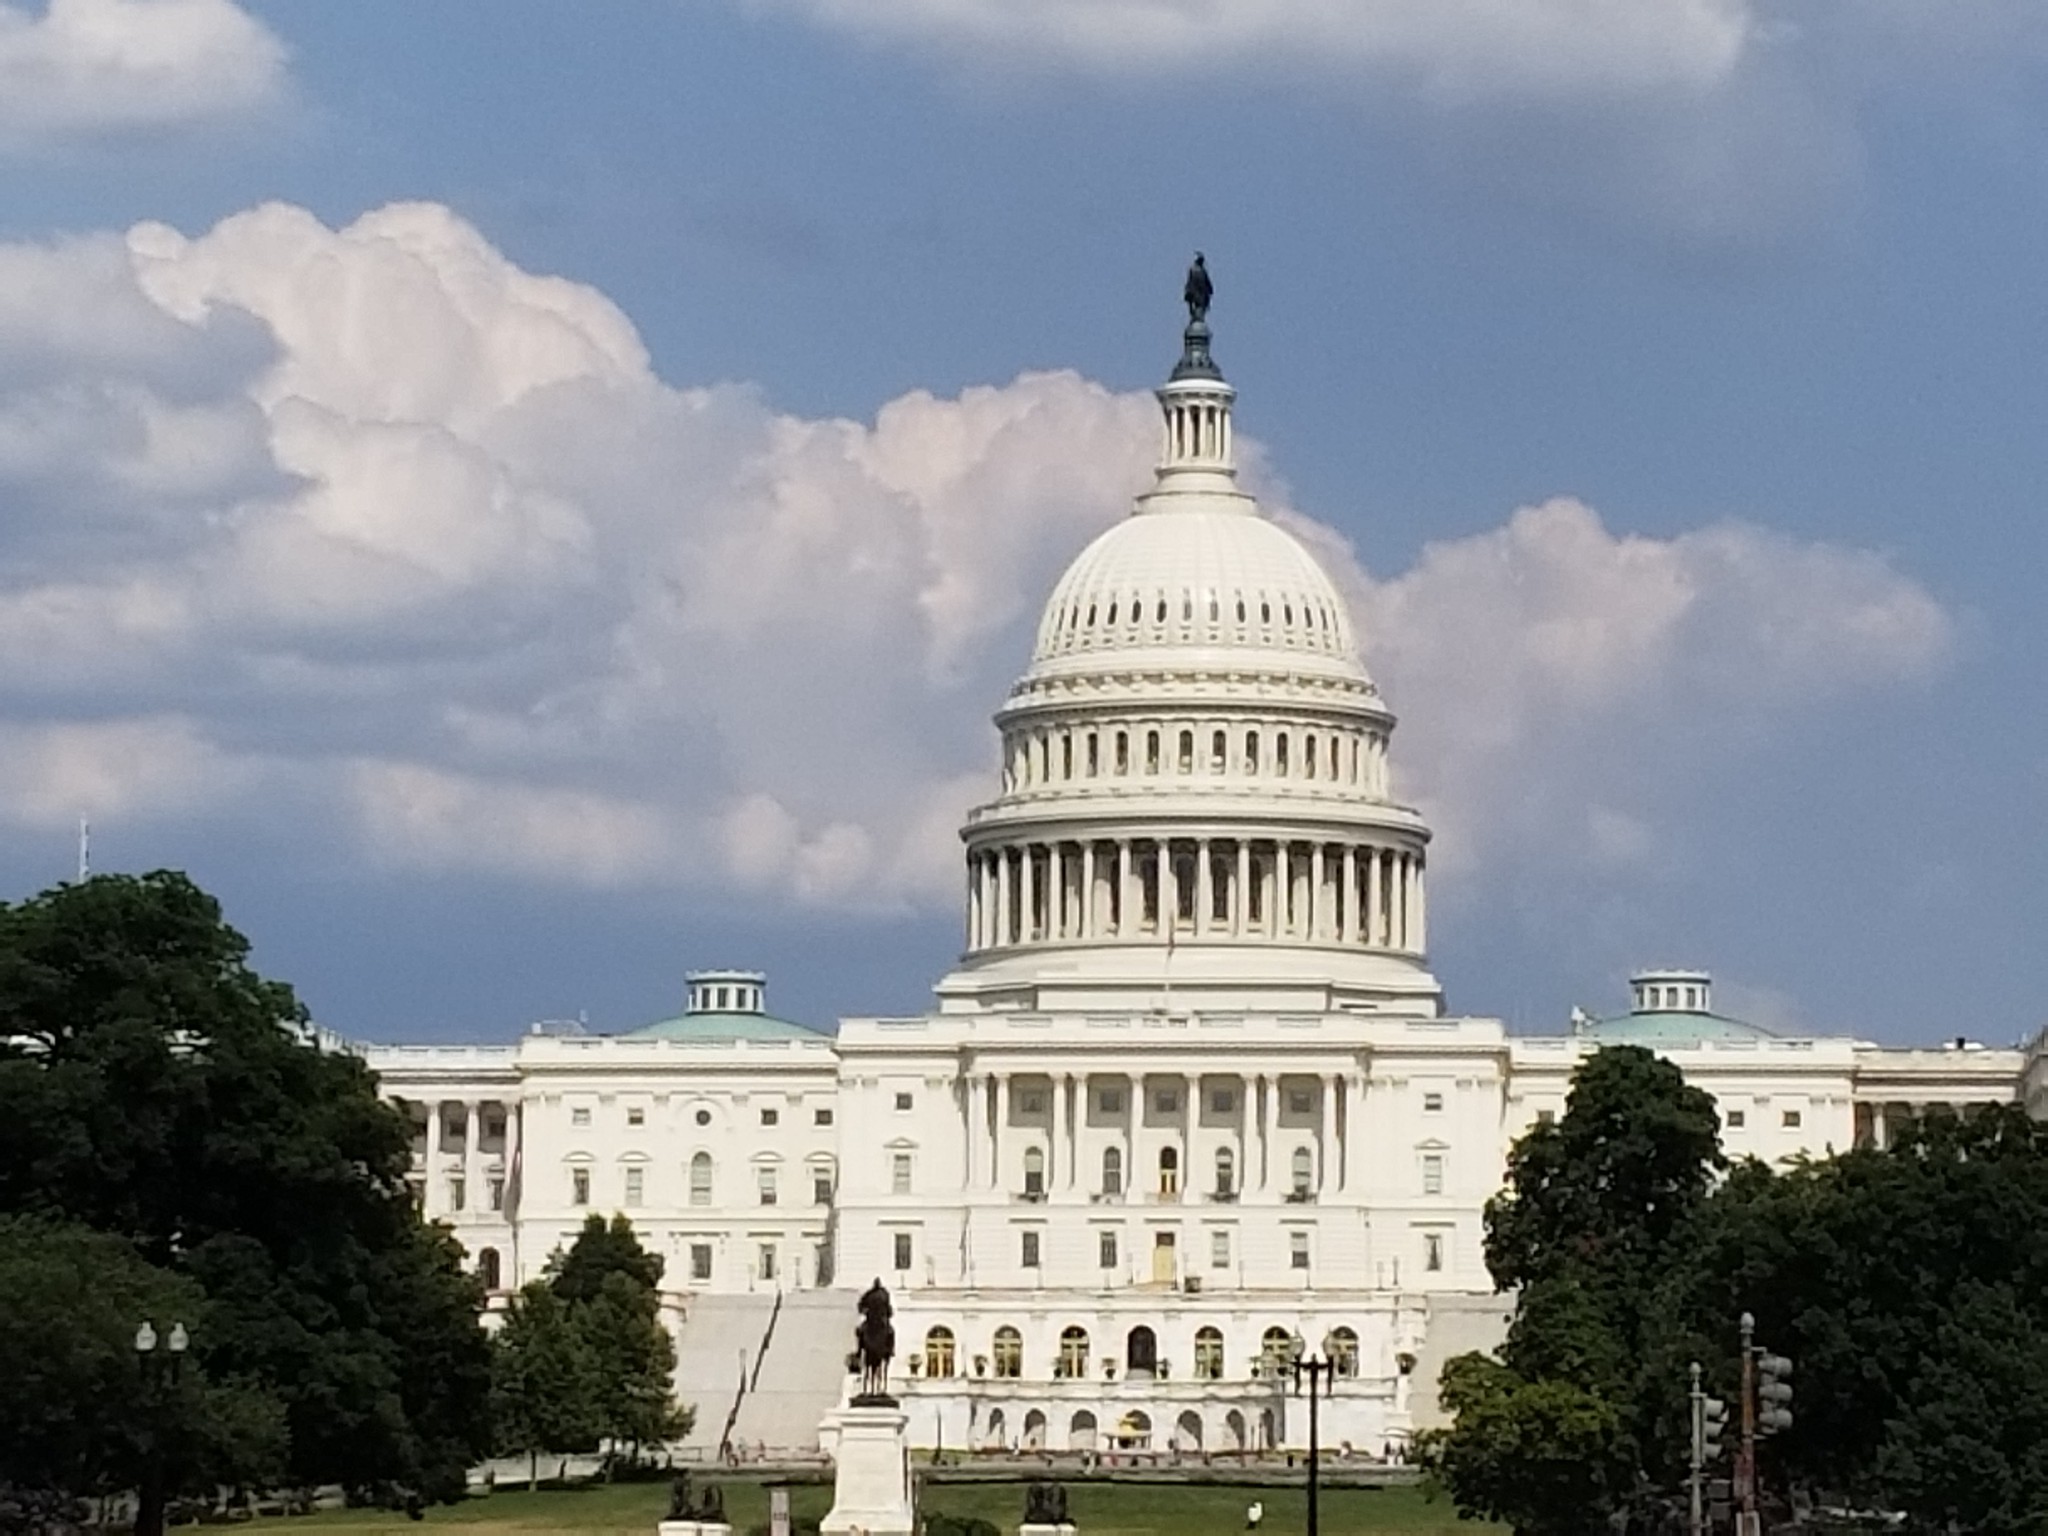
(156, 1089)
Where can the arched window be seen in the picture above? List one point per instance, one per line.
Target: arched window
(1066, 756)
(1276, 1349)
(938, 1353)
(1169, 1170)
(1151, 751)
(1073, 1361)
(1034, 1172)
(488, 1269)
(1333, 757)
(700, 1179)
(1209, 1354)
(1081, 1431)
(1123, 751)
(1009, 1353)
(1187, 752)
(1303, 1170)
(1112, 1170)
(1094, 755)
(1342, 1349)
(1308, 756)
(1251, 751)
(1141, 1352)
(1219, 751)
(1226, 1173)
(1280, 754)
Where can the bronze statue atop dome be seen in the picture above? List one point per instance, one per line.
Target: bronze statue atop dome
(1198, 290)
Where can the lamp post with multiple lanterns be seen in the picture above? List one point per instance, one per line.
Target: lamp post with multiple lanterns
(160, 1362)
(1321, 1375)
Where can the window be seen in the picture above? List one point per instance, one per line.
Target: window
(1165, 1101)
(1736, 1119)
(579, 1186)
(1341, 1348)
(821, 1117)
(1433, 1251)
(579, 1115)
(1226, 1172)
(1308, 756)
(1251, 751)
(1187, 752)
(1297, 1250)
(1031, 1103)
(899, 1174)
(1094, 756)
(1219, 1249)
(456, 1191)
(1009, 1353)
(1034, 1173)
(1300, 1101)
(821, 1186)
(1105, 1249)
(495, 1189)
(1073, 1361)
(1219, 752)
(1112, 1170)
(764, 1180)
(1151, 751)
(903, 1102)
(489, 1269)
(1792, 1119)
(1123, 752)
(938, 1353)
(700, 1179)
(1280, 755)
(771, 1117)
(1208, 1354)
(1066, 757)
(636, 1184)
(1169, 1170)
(1546, 1117)
(1222, 1101)
(700, 1261)
(703, 1117)
(1303, 1170)
(1028, 1242)
(1432, 1173)
(902, 1254)
(767, 1261)
(1111, 1101)
(1432, 1103)
(635, 1115)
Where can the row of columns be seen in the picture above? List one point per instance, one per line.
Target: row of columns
(989, 1097)
(475, 1195)
(1131, 889)
(1037, 756)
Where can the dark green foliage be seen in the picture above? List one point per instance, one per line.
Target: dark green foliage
(544, 1387)
(959, 1525)
(602, 1249)
(153, 1086)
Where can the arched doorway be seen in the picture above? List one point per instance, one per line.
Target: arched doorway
(1187, 1432)
(1081, 1432)
(1034, 1431)
(1233, 1429)
(997, 1426)
(1141, 1352)
(1269, 1434)
(1134, 1431)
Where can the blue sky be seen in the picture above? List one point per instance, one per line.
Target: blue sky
(1665, 378)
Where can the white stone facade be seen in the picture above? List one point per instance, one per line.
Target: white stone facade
(1189, 1093)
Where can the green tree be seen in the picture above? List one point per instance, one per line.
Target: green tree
(602, 1249)
(1556, 1435)
(544, 1380)
(154, 1086)
(607, 1280)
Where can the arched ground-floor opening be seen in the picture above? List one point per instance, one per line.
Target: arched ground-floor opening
(1187, 1432)
(1081, 1432)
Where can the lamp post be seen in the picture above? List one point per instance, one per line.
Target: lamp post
(1321, 1374)
(159, 1362)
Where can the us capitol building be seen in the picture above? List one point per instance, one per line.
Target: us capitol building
(1190, 1098)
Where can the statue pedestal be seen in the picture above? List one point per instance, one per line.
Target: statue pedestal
(693, 1528)
(1028, 1529)
(871, 1473)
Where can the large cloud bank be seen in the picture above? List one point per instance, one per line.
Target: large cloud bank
(371, 532)
(95, 66)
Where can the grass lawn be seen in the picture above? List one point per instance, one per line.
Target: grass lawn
(1100, 1509)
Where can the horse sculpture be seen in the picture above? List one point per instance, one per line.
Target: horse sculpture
(874, 1346)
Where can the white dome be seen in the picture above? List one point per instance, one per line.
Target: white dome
(1217, 577)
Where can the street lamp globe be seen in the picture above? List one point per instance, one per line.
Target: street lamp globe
(179, 1338)
(145, 1339)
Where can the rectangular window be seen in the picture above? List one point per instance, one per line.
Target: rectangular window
(821, 1117)
(821, 1188)
(1546, 1117)
(1030, 1247)
(767, 1261)
(1111, 1101)
(902, 1254)
(1219, 1250)
(457, 1191)
(1432, 1103)
(1297, 1250)
(899, 1174)
(497, 1194)
(700, 1261)
(1736, 1119)
(1222, 1101)
(1432, 1173)
(1300, 1101)
(636, 1115)
(1105, 1249)
(1433, 1251)
(579, 1186)
(1166, 1101)
(1031, 1103)
(636, 1185)
(1094, 756)
(1793, 1119)
(579, 1115)
(771, 1117)
(903, 1102)
(765, 1180)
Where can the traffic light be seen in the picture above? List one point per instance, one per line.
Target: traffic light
(1713, 1423)
(1773, 1394)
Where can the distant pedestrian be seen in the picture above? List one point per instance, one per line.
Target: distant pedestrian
(1254, 1512)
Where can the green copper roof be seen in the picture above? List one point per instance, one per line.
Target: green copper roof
(1672, 1028)
(715, 1027)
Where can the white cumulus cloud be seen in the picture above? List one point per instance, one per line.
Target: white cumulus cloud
(371, 523)
(96, 66)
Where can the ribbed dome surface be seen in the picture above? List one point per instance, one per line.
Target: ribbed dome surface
(1217, 578)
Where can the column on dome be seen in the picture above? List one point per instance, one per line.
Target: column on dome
(1167, 878)
(1317, 915)
(1407, 865)
(1421, 906)
(1351, 926)
(1373, 898)
(1027, 894)
(1241, 891)
(1126, 920)
(1269, 892)
(1205, 887)
(1089, 915)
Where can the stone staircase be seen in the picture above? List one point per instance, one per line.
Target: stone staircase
(716, 1350)
(797, 1379)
